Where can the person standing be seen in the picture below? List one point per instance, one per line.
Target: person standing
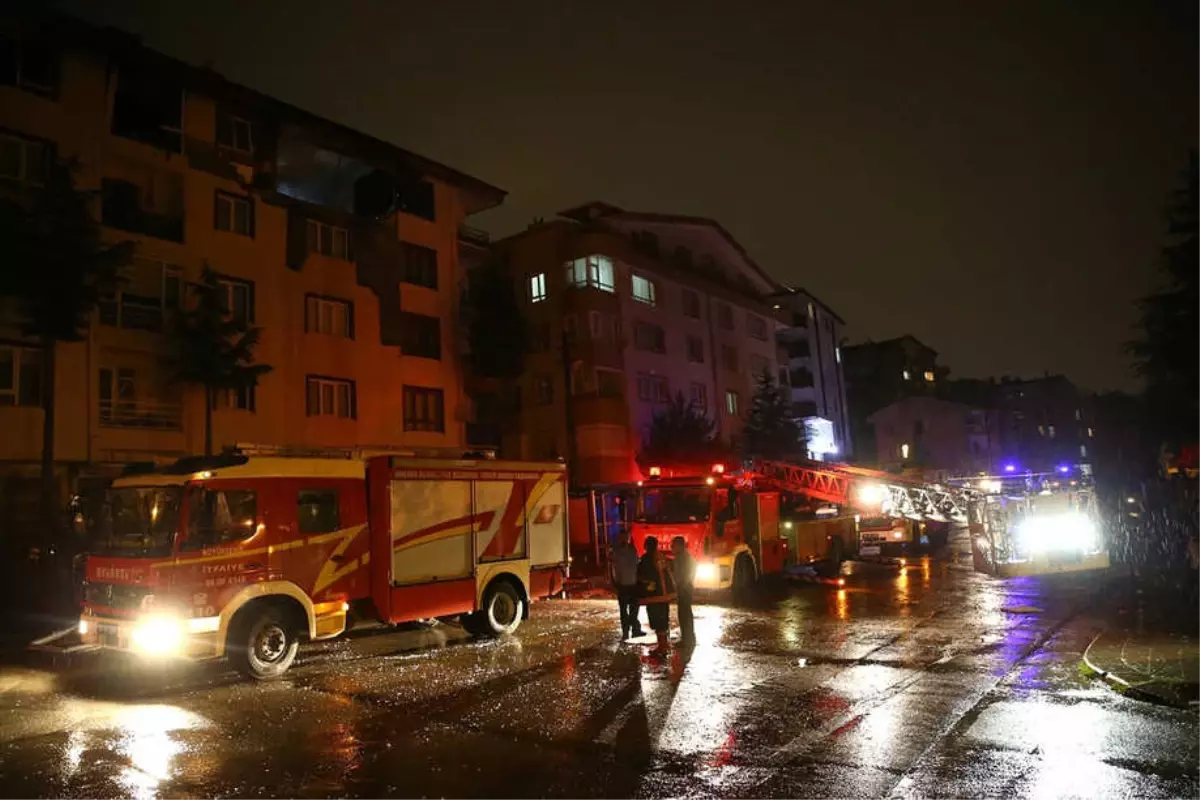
(625, 581)
(657, 590)
(685, 587)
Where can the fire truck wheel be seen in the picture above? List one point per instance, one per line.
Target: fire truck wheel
(502, 610)
(264, 644)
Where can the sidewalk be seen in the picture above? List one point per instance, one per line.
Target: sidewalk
(1150, 648)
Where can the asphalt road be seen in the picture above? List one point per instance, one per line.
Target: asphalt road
(934, 681)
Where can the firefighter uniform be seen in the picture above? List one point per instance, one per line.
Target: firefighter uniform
(685, 586)
(657, 587)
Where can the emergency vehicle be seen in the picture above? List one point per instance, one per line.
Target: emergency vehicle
(246, 554)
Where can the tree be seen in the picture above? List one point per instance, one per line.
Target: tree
(681, 434)
(214, 349)
(497, 330)
(770, 431)
(57, 269)
(1168, 348)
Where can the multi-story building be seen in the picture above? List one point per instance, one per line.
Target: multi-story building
(878, 374)
(1046, 423)
(628, 310)
(937, 434)
(811, 343)
(342, 248)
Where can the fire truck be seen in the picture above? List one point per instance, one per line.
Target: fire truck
(246, 554)
(731, 519)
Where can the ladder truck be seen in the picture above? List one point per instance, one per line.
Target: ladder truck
(732, 523)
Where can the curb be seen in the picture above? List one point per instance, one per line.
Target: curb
(1124, 687)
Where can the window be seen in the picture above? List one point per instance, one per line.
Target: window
(424, 410)
(804, 409)
(234, 213)
(699, 396)
(731, 403)
(239, 399)
(1050, 430)
(650, 338)
(691, 304)
(418, 199)
(537, 287)
(643, 290)
(150, 292)
(329, 316)
(758, 365)
(1091, 432)
(420, 335)
(328, 240)
(20, 376)
(729, 357)
(583, 379)
(695, 349)
(1078, 415)
(756, 326)
(1041, 430)
(317, 511)
(420, 265)
(799, 349)
(929, 375)
(330, 397)
(906, 375)
(610, 382)
(22, 160)
(837, 352)
(591, 271)
(148, 107)
(904, 451)
(725, 316)
(653, 388)
(802, 378)
(783, 376)
(220, 517)
(145, 200)
(1083, 451)
(541, 338)
(238, 300)
(235, 133)
(30, 64)
(543, 390)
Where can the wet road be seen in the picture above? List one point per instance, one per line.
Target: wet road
(933, 681)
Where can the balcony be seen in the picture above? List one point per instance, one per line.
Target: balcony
(121, 209)
(474, 236)
(141, 415)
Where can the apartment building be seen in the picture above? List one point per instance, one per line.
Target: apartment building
(811, 342)
(878, 374)
(342, 248)
(629, 309)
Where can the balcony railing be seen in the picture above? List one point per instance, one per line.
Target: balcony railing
(142, 414)
(474, 236)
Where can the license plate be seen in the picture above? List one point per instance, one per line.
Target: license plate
(107, 636)
(869, 550)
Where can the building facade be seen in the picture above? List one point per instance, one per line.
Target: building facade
(811, 343)
(629, 310)
(1046, 423)
(342, 248)
(927, 432)
(878, 374)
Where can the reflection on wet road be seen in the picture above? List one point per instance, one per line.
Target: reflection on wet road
(928, 681)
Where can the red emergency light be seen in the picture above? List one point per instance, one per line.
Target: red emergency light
(656, 472)
(718, 469)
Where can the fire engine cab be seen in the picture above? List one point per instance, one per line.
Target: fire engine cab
(245, 554)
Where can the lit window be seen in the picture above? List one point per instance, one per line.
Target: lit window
(328, 240)
(22, 160)
(837, 352)
(330, 397)
(329, 316)
(1091, 433)
(537, 287)
(1041, 430)
(1078, 414)
(904, 451)
(234, 213)
(907, 375)
(1050, 430)
(1083, 451)
(699, 396)
(591, 271)
(643, 290)
(731, 403)
(929, 375)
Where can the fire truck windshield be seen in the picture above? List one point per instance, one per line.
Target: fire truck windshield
(134, 521)
(673, 505)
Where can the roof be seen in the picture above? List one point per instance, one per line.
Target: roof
(597, 209)
(791, 290)
(896, 341)
(113, 40)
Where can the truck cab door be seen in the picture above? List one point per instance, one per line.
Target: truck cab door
(224, 547)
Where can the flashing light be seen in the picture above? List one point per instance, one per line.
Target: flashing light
(710, 480)
(871, 494)
(640, 483)
(655, 472)
(718, 468)
(1063, 468)
(841, 581)
(1072, 531)
(1130, 500)
(1010, 467)
(788, 525)
(897, 534)
(903, 562)
(158, 635)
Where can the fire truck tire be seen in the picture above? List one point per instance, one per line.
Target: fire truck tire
(502, 610)
(263, 642)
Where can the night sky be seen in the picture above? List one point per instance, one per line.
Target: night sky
(989, 177)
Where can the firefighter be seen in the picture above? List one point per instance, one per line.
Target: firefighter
(685, 587)
(658, 590)
(625, 581)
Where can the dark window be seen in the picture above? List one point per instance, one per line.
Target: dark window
(220, 517)
(610, 383)
(799, 349)
(420, 266)
(330, 397)
(691, 304)
(329, 315)
(156, 212)
(20, 376)
(418, 200)
(423, 409)
(237, 300)
(541, 338)
(802, 378)
(699, 397)
(238, 399)
(543, 390)
(650, 338)
(725, 316)
(653, 388)
(918, 427)
(234, 213)
(30, 64)
(328, 240)
(420, 335)
(695, 349)
(756, 326)
(235, 133)
(148, 108)
(317, 511)
(804, 408)
(729, 355)
(144, 300)
(22, 160)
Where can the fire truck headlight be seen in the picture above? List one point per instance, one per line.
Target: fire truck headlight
(157, 635)
(706, 572)
(788, 525)
(1061, 532)
(872, 494)
(83, 627)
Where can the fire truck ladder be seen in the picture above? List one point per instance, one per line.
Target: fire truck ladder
(866, 490)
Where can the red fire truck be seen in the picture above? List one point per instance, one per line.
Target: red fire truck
(244, 555)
